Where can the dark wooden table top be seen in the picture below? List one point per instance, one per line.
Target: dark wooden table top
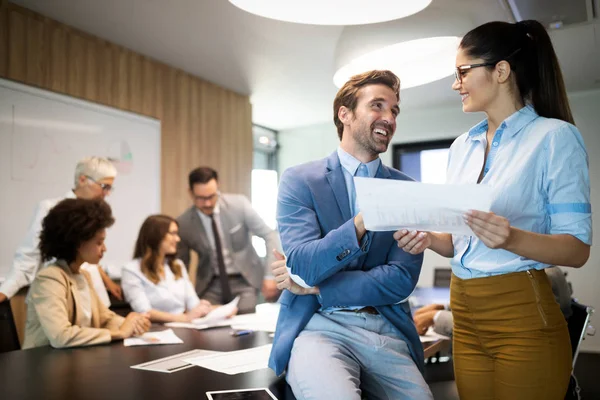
(104, 373)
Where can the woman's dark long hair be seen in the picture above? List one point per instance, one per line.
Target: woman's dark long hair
(528, 49)
(147, 247)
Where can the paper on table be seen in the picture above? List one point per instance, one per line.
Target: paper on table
(235, 362)
(432, 336)
(217, 317)
(389, 205)
(253, 322)
(265, 318)
(151, 338)
(218, 313)
(174, 363)
(199, 327)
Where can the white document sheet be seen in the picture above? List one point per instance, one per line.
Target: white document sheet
(217, 317)
(235, 362)
(219, 313)
(175, 363)
(199, 327)
(390, 205)
(265, 319)
(432, 336)
(152, 338)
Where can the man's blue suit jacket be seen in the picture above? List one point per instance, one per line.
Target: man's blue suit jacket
(318, 236)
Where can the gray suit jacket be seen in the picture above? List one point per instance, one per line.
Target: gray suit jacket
(239, 221)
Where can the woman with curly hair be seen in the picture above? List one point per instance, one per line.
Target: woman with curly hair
(63, 310)
(155, 281)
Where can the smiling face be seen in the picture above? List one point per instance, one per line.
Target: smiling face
(477, 88)
(92, 251)
(370, 127)
(87, 188)
(168, 245)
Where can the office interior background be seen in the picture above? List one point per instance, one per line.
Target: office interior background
(252, 96)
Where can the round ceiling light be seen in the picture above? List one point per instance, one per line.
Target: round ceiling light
(416, 62)
(332, 12)
(420, 49)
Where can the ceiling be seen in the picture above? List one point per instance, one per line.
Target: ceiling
(286, 68)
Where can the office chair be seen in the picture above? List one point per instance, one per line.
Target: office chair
(579, 326)
(441, 277)
(9, 340)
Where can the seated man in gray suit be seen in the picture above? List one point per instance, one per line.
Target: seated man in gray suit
(218, 227)
(440, 317)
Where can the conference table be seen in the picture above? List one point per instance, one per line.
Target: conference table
(103, 372)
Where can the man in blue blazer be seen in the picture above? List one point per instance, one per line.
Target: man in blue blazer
(345, 330)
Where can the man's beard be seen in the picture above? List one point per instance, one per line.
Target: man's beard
(366, 139)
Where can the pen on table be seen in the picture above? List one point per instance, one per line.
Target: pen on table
(242, 332)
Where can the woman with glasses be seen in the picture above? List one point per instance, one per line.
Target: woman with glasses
(63, 309)
(94, 179)
(510, 338)
(155, 281)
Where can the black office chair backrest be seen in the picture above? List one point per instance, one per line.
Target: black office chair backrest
(9, 340)
(577, 324)
(441, 277)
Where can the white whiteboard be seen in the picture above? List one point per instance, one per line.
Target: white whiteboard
(42, 137)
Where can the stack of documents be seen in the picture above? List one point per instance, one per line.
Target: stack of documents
(235, 362)
(390, 205)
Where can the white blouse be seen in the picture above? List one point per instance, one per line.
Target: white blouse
(85, 320)
(170, 295)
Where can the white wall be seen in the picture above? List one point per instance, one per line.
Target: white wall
(317, 141)
(586, 280)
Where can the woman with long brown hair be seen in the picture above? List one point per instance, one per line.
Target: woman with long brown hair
(510, 337)
(155, 281)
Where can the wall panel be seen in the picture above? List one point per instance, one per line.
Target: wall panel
(202, 124)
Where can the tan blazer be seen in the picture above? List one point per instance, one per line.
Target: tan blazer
(54, 310)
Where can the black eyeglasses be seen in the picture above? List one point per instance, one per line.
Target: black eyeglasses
(461, 70)
(104, 186)
(207, 198)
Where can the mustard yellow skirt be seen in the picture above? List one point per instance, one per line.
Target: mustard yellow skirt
(510, 338)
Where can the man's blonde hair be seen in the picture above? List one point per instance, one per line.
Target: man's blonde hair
(96, 168)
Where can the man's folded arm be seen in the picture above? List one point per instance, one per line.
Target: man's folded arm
(310, 255)
(386, 284)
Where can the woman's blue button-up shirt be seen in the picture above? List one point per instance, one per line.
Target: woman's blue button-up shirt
(538, 169)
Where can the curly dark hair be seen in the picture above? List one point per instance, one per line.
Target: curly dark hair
(71, 223)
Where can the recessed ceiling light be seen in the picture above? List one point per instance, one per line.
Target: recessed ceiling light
(416, 62)
(332, 12)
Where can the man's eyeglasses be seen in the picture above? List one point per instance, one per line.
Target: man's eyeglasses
(107, 188)
(206, 198)
(461, 70)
